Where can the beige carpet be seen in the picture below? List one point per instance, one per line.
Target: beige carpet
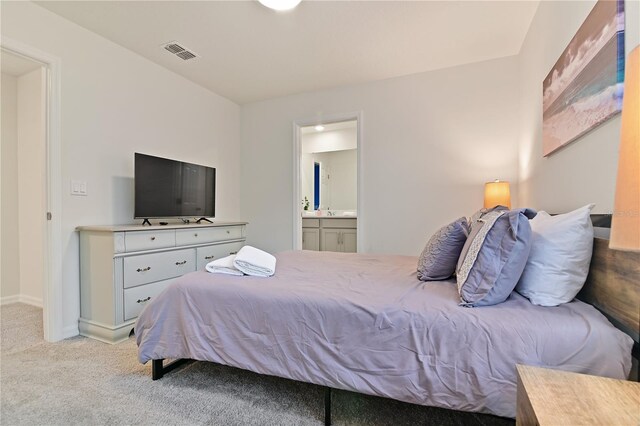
(85, 382)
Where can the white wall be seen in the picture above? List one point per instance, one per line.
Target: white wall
(10, 284)
(584, 171)
(32, 205)
(429, 142)
(114, 103)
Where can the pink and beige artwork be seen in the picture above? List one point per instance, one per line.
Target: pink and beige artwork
(584, 87)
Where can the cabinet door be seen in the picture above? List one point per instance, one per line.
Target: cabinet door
(348, 241)
(310, 239)
(330, 240)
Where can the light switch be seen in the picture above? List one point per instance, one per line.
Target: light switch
(78, 187)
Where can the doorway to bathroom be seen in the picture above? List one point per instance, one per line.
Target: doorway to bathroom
(327, 184)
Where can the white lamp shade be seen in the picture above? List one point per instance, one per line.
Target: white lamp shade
(625, 225)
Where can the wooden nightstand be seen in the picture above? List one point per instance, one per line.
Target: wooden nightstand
(553, 397)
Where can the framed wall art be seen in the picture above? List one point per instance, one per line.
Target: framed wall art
(584, 88)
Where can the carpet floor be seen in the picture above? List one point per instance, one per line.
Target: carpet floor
(81, 381)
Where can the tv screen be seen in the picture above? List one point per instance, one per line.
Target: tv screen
(170, 188)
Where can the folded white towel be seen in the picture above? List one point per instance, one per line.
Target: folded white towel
(253, 261)
(223, 266)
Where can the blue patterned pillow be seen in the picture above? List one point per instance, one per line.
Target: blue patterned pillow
(440, 256)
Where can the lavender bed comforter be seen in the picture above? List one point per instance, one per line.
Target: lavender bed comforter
(366, 323)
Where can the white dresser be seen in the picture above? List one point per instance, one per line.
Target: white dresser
(124, 267)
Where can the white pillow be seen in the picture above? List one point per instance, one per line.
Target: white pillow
(560, 256)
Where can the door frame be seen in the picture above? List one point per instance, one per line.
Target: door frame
(52, 293)
(297, 173)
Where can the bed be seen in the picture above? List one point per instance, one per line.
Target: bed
(365, 323)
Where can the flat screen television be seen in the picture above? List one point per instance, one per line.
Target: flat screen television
(167, 188)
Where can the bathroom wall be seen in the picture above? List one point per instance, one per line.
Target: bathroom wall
(333, 140)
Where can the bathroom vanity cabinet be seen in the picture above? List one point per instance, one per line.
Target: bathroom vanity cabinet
(330, 234)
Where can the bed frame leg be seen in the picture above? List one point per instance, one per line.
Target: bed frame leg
(157, 370)
(327, 406)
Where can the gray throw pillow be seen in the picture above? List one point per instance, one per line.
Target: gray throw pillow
(440, 256)
(494, 256)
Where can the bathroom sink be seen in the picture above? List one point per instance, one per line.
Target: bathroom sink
(329, 213)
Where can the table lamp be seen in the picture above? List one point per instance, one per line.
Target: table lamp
(497, 193)
(625, 224)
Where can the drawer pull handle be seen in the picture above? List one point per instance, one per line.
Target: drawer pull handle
(181, 263)
(144, 269)
(233, 252)
(209, 257)
(228, 232)
(143, 300)
(153, 238)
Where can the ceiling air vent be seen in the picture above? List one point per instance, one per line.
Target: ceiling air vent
(180, 51)
(186, 55)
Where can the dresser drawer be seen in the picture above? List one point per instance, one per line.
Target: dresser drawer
(210, 253)
(339, 223)
(227, 233)
(310, 223)
(207, 235)
(147, 268)
(186, 237)
(135, 299)
(149, 240)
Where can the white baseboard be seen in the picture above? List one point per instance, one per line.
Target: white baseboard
(29, 300)
(9, 299)
(21, 298)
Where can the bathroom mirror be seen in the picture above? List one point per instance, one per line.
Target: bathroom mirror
(329, 175)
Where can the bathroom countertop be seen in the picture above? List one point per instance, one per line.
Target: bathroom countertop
(313, 216)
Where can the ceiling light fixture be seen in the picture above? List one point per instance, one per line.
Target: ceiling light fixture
(280, 4)
(319, 128)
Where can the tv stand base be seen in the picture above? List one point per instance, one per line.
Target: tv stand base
(203, 219)
(146, 222)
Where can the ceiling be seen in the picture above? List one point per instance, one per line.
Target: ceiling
(250, 53)
(16, 65)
